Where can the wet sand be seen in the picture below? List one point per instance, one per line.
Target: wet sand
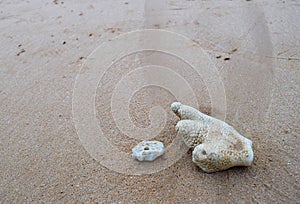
(254, 45)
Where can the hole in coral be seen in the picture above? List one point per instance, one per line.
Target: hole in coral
(146, 148)
(204, 152)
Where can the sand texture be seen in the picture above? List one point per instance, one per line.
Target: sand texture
(254, 45)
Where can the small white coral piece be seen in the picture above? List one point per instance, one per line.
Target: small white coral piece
(148, 150)
(217, 146)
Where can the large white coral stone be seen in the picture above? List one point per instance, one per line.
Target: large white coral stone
(148, 150)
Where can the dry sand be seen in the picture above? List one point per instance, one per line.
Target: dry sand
(43, 45)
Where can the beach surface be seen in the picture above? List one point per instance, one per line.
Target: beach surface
(254, 46)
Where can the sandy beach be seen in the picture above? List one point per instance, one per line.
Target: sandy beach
(238, 61)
